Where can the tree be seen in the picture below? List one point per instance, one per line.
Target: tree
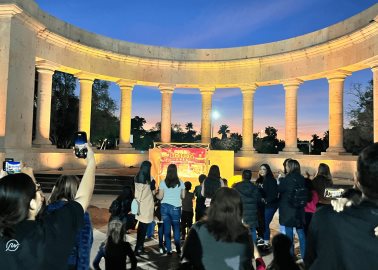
(317, 145)
(223, 129)
(360, 134)
(269, 144)
(189, 126)
(64, 109)
(104, 124)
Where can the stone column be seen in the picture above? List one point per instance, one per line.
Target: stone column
(291, 103)
(248, 92)
(375, 101)
(85, 103)
(125, 114)
(206, 125)
(45, 71)
(336, 112)
(166, 110)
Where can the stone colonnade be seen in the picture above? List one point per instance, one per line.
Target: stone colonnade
(336, 94)
(33, 40)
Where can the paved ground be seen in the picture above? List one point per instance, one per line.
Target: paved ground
(151, 259)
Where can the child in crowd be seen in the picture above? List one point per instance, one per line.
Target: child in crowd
(115, 248)
(187, 210)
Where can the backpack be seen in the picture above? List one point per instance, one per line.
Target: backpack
(299, 196)
(115, 208)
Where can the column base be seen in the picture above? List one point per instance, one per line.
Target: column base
(335, 151)
(43, 144)
(291, 151)
(125, 146)
(246, 152)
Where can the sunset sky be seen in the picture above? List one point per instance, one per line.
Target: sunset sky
(219, 24)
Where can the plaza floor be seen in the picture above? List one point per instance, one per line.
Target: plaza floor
(151, 259)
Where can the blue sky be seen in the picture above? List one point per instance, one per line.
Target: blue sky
(219, 24)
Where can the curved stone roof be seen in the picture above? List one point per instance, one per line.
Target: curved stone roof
(348, 46)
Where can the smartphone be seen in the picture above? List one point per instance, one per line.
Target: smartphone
(333, 193)
(11, 166)
(80, 139)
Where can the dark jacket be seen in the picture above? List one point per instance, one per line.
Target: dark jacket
(289, 215)
(80, 255)
(211, 185)
(270, 188)
(250, 197)
(345, 240)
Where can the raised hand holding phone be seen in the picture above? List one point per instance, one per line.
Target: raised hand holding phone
(80, 140)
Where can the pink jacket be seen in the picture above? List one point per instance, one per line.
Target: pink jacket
(311, 206)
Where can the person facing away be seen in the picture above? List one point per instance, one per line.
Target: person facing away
(144, 197)
(321, 181)
(187, 210)
(121, 206)
(282, 258)
(346, 240)
(115, 249)
(220, 240)
(200, 200)
(171, 192)
(211, 184)
(64, 191)
(27, 243)
(290, 215)
(251, 197)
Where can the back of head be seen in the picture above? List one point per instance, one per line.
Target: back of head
(65, 188)
(367, 169)
(115, 230)
(188, 185)
(324, 170)
(144, 174)
(201, 178)
(293, 166)
(224, 218)
(16, 192)
(171, 179)
(247, 175)
(282, 258)
(214, 172)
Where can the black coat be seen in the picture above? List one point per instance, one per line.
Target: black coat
(289, 215)
(250, 196)
(271, 192)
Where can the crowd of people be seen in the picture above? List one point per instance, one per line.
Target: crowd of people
(232, 224)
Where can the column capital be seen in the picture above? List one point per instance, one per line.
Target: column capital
(45, 66)
(206, 89)
(338, 75)
(84, 76)
(166, 88)
(292, 83)
(126, 84)
(374, 66)
(248, 88)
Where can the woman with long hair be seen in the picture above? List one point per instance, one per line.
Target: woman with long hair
(211, 184)
(171, 192)
(46, 243)
(220, 240)
(270, 199)
(65, 190)
(282, 258)
(145, 198)
(116, 248)
(292, 215)
(321, 181)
